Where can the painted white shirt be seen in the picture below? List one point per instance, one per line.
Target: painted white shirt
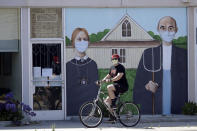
(167, 53)
(78, 58)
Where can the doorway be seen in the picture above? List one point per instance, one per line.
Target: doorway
(48, 80)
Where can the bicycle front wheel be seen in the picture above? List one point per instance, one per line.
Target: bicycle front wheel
(129, 114)
(90, 115)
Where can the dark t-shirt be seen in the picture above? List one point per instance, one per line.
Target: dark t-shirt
(114, 70)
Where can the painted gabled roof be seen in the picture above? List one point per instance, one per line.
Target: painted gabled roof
(126, 16)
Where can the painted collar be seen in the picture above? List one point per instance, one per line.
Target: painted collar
(84, 58)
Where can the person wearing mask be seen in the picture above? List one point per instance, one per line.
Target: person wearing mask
(170, 83)
(81, 74)
(116, 75)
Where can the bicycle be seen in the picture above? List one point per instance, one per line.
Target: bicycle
(90, 113)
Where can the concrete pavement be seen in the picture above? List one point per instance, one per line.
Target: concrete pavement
(147, 123)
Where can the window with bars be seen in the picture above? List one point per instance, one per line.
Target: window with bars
(121, 53)
(126, 29)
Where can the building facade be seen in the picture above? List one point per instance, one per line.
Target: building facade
(31, 32)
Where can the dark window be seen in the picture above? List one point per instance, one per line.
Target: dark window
(122, 56)
(114, 51)
(126, 28)
(6, 64)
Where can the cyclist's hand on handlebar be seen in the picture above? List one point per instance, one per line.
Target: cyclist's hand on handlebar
(108, 80)
(103, 80)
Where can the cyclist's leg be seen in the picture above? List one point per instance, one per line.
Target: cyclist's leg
(107, 101)
(111, 89)
(114, 91)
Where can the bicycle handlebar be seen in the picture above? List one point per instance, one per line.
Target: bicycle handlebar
(99, 82)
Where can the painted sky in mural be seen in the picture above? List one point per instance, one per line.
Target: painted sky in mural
(98, 19)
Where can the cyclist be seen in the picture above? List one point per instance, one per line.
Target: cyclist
(118, 77)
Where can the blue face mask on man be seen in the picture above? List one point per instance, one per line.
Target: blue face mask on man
(115, 61)
(81, 46)
(167, 36)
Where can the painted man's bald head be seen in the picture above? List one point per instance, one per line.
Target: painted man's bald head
(167, 23)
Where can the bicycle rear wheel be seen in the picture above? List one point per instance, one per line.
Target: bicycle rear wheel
(129, 114)
(90, 115)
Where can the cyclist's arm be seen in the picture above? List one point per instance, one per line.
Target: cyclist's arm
(106, 77)
(118, 77)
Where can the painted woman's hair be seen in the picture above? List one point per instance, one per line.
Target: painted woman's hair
(75, 32)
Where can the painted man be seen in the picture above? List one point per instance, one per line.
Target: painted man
(169, 86)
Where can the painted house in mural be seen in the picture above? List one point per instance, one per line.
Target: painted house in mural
(127, 38)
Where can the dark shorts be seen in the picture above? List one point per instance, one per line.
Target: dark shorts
(119, 89)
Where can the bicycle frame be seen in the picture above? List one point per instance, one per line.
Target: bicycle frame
(111, 111)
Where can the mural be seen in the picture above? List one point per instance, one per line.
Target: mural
(136, 36)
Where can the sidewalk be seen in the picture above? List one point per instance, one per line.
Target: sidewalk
(148, 122)
(171, 118)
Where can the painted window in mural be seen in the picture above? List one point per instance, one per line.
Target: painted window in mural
(114, 51)
(126, 29)
(152, 48)
(122, 55)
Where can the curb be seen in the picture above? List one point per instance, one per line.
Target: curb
(157, 118)
(169, 118)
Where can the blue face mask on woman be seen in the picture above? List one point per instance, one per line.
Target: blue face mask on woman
(81, 46)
